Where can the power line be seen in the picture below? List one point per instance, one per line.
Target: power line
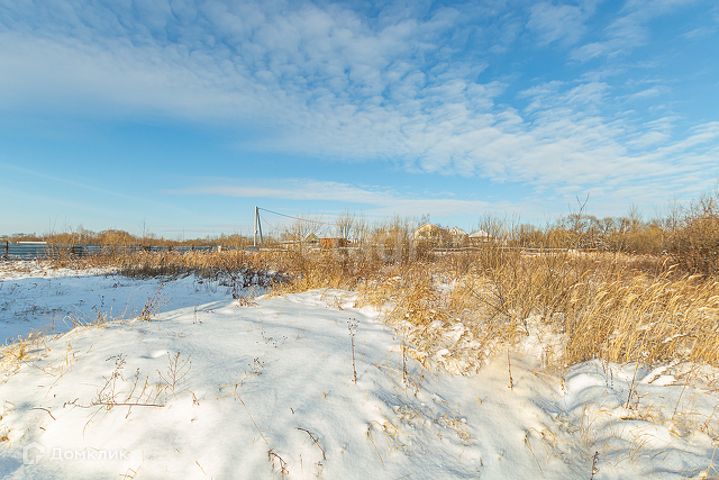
(258, 223)
(297, 218)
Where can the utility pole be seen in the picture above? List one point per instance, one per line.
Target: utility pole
(254, 236)
(258, 227)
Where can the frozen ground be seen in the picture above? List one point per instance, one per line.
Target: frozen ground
(216, 388)
(36, 298)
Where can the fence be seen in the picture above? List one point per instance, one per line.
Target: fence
(41, 250)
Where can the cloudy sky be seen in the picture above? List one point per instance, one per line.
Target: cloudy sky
(182, 115)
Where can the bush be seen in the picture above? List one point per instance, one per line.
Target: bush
(695, 248)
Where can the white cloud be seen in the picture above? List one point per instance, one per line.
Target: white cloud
(629, 30)
(328, 82)
(562, 23)
(650, 92)
(375, 201)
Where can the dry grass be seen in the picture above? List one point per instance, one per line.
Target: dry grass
(602, 309)
(24, 350)
(615, 306)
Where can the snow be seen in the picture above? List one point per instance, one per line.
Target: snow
(19, 269)
(215, 388)
(37, 298)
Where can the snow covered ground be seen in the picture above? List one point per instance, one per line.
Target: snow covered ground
(212, 387)
(37, 298)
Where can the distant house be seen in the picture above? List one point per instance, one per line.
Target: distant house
(437, 235)
(479, 237)
(311, 238)
(457, 237)
(457, 232)
(333, 242)
(429, 232)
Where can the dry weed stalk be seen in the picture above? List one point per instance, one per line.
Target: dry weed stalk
(595, 466)
(315, 439)
(352, 328)
(510, 384)
(148, 310)
(177, 370)
(632, 386)
(405, 373)
(276, 461)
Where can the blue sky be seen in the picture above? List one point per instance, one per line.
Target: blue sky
(183, 115)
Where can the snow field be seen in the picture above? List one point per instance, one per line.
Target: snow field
(212, 389)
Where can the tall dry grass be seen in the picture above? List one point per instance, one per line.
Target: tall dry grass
(601, 307)
(616, 306)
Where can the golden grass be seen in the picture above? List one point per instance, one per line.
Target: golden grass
(21, 351)
(614, 306)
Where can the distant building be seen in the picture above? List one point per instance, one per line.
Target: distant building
(457, 232)
(479, 237)
(429, 231)
(457, 237)
(333, 242)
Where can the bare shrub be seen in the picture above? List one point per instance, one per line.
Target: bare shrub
(695, 246)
